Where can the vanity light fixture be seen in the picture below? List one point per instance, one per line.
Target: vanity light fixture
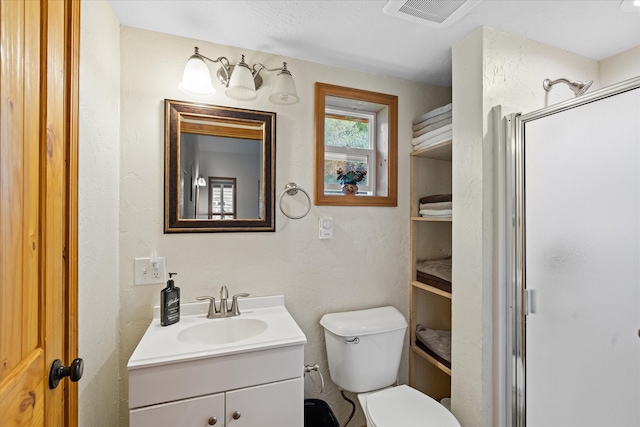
(241, 81)
(201, 181)
(630, 6)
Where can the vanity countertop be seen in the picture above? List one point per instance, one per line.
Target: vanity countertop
(161, 344)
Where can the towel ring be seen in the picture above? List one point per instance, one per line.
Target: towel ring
(292, 189)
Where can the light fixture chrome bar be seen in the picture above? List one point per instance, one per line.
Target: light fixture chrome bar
(226, 67)
(239, 87)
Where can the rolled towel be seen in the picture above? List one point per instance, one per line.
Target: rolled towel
(435, 198)
(433, 126)
(436, 206)
(434, 112)
(432, 120)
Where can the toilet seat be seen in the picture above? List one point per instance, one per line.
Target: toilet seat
(407, 407)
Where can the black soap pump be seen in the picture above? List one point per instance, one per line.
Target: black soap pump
(170, 303)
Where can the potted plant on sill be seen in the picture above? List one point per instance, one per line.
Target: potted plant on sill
(349, 180)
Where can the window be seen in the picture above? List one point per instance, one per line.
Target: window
(350, 144)
(222, 198)
(372, 118)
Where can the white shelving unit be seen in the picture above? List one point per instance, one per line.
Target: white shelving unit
(430, 239)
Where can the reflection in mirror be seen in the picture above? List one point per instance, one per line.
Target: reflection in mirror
(219, 169)
(356, 147)
(222, 164)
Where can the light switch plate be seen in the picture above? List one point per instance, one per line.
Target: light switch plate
(326, 228)
(146, 274)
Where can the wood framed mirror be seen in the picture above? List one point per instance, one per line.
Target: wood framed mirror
(356, 147)
(219, 169)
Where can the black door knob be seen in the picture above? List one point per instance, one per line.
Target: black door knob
(58, 372)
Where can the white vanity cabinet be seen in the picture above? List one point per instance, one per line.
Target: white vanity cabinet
(275, 404)
(199, 411)
(222, 378)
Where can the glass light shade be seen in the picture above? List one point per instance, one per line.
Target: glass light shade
(284, 90)
(241, 84)
(196, 79)
(202, 182)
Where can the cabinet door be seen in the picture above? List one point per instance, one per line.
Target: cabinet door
(278, 404)
(195, 412)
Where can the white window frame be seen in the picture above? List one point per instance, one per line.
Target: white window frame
(355, 154)
(217, 185)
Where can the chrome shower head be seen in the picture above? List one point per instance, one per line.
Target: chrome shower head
(578, 87)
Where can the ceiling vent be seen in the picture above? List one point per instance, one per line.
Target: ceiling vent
(433, 13)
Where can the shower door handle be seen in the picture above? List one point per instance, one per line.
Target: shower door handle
(529, 302)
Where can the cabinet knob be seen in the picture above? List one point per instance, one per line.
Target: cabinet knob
(236, 415)
(212, 420)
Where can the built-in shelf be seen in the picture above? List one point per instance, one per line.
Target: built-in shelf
(430, 307)
(426, 356)
(431, 289)
(441, 151)
(431, 218)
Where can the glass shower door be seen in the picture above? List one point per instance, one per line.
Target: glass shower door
(582, 265)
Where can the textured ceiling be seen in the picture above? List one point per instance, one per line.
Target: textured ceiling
(358, 35)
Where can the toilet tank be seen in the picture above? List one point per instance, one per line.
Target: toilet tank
(364, 347)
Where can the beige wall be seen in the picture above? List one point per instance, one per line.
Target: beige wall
(490, 68)
(364, 265)
(99, 151)
(620, 67)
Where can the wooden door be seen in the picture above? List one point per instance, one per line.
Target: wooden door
(38, 209)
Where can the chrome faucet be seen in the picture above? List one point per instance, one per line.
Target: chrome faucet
(223, 310)
(224, 295)
(235, 311)
(213, 312)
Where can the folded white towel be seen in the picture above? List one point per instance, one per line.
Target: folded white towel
(435, 140)
(433, 133)
(434, 212)
(433, 126)
(432, 120)
(435, 112)
(438, 206)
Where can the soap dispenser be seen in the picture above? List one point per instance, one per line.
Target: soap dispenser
(170, 303)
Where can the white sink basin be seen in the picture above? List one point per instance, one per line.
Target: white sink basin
(201, 357)
(264, 323)
(222, 331)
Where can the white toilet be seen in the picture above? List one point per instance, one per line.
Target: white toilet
(364, 349)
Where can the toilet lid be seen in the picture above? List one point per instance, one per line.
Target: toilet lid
(407, 407)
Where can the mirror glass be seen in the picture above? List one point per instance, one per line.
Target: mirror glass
(356, 134)
(219, 168)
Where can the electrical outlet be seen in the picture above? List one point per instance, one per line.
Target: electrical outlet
(147, 274)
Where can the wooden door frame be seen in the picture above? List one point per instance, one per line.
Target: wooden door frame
(72, 70)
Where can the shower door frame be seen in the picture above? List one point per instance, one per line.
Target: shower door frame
(512, 253)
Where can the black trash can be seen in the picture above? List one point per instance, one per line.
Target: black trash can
(317, 413)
